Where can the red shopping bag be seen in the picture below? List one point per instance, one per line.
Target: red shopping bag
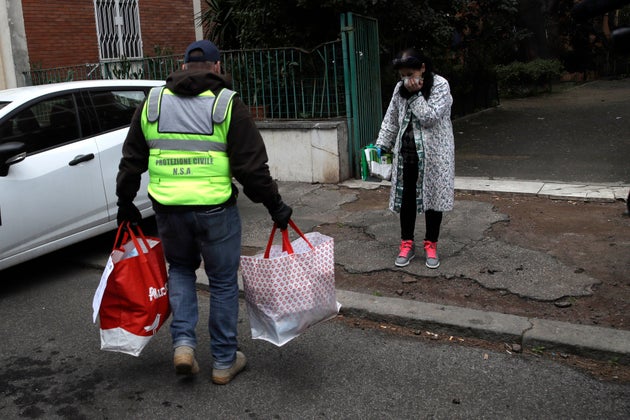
(132, 299)
(290, 287)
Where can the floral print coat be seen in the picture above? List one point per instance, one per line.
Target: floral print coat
(433, 134)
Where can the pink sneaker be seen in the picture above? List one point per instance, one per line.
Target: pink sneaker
(407, 252)
(430, 249)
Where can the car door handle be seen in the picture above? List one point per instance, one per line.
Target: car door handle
(81, 158)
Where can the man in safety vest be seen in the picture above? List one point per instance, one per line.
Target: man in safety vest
(193, 135)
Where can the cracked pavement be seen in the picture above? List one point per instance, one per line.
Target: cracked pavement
(464, 249)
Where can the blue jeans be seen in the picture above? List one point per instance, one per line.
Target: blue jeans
(214, 236)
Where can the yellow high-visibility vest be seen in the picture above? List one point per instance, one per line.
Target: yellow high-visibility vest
(187, 138)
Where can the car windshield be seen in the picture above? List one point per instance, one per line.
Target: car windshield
(3, 104)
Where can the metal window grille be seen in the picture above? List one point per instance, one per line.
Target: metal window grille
(118, 29)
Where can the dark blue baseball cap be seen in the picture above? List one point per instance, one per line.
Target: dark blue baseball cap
(210, 52)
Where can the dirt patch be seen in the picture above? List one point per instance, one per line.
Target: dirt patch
(603, 370)
(593, 236)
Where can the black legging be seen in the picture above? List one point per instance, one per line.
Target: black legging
(408, 209)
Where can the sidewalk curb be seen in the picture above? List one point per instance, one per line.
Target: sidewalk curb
(598, 343)
(584, 340)
(543, 189)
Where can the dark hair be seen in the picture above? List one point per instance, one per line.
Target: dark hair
(414, 59)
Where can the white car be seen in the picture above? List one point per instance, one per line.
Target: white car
(60, 146)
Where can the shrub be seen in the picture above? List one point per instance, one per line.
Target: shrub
(524, 79)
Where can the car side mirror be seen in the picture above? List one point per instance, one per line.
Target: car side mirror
(11, 153)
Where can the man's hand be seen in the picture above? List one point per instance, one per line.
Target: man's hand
(128, 212)
(281, 215)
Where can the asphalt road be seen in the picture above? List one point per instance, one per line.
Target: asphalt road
(577, 135)
(53, 368)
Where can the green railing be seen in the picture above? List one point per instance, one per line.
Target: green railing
(290, 82)
(148, 68)
(278, 83)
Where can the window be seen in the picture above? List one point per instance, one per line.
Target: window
(115, 109)
(44, 125)
(118, 29)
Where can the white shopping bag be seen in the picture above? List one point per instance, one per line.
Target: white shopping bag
(290, 287)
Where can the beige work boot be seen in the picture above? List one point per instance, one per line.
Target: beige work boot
(184, 361)
(223, 376)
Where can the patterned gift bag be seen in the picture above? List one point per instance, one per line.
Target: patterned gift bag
(290, 287)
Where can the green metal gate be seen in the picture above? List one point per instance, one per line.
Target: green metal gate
(359, 36)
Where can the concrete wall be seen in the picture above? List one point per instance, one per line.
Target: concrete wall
(307, 151)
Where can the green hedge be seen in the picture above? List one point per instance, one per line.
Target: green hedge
(524, 79)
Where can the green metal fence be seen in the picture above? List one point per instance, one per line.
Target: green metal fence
(290, 82)
(148, 68)
(278, 83)
(359, 36)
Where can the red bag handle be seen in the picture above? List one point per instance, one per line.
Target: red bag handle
(121, 227)
(286, 242)
(127, 228)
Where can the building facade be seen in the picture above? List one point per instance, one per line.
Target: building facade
(40, 34)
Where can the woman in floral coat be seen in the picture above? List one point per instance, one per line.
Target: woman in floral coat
(417, 130)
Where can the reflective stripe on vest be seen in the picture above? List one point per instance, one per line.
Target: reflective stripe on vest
(187, 139)
(220, 108)
(153, 104)
(219, 112)
(188, 145)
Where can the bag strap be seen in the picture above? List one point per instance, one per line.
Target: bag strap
(127, 228)
(121, 228)
(286, 242)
